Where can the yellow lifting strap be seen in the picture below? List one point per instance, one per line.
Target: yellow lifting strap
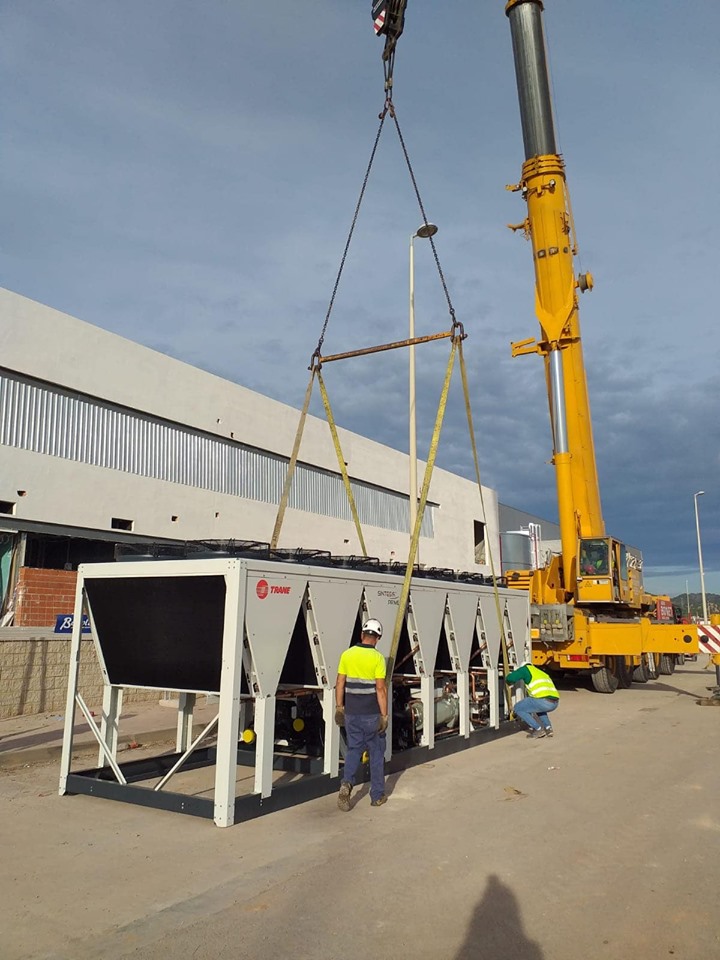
(473, 445)
(292, 464)
(432, 454)
(315, 371)
(341, 461)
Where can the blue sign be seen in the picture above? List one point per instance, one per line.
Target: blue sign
(64, 623)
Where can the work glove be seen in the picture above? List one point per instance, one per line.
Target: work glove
(340, 716)
(382, 724)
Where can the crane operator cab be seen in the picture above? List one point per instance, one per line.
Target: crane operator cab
(608, 572)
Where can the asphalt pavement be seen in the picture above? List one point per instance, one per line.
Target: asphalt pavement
(600, 843)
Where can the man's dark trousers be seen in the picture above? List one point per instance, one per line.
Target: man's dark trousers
(361, 732)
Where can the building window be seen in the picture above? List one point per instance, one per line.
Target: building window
(117, 523)
(479, 541)
(7, 507)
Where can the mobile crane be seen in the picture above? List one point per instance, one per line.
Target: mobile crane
(588, 603)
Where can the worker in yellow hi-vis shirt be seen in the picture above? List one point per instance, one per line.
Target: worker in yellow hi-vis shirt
(361, 706)
(541, 699)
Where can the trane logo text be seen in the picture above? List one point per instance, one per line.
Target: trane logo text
(263, 589)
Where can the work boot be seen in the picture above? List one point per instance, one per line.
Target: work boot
(343, 800)
(536, 734)
(379, 802)
(549, 732)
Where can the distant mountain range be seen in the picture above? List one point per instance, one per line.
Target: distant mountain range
(696, 608)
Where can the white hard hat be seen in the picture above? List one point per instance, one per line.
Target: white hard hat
(373, 626)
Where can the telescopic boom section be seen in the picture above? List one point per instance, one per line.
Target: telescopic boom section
(550, 229)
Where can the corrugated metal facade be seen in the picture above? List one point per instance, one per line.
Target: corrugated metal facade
(37, 417)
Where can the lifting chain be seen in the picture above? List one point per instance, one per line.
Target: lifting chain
(314, 360)
(388, 109)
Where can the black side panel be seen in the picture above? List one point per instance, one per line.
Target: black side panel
(163, 632)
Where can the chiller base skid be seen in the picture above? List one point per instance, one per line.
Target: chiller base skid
(262, 638)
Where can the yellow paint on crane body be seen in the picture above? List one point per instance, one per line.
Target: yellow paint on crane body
(566, 580)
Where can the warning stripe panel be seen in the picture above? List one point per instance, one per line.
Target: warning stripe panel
(709, 638)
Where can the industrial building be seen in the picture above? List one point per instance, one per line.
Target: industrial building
(105, 441)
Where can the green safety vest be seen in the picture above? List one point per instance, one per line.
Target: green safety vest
(540, 685)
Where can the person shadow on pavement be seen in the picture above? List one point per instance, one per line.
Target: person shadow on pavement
(496, 929)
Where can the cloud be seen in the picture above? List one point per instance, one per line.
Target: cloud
(186, 175)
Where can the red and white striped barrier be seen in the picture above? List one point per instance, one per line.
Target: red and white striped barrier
(709, 638)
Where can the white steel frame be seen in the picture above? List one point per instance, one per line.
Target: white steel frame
(330, 599)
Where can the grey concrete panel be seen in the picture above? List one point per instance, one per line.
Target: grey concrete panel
(463, 610)
(491, 625)
(335, 604)
(383, 598)
(518, 614)
(428, 606)
(273, 602)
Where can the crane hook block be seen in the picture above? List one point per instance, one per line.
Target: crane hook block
(389, 21)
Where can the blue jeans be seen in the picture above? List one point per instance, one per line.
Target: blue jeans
(361, 733)
(534, 709)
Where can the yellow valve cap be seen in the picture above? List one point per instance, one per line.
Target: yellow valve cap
(365, 757)
(298, 724)
(248, 736)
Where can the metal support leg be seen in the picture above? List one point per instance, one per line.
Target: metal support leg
(493, 680)
(265, 744)
(463, 691)
(111, 710)
(186, 709)
(242, 717)
(388, 733)
(72, 685)
(331, 754)
(229, 706)
(427, 695)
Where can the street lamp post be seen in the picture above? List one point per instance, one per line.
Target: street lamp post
(700, 493)
(424, 232)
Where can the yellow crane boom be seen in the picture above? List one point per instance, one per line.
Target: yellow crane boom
(589, 602)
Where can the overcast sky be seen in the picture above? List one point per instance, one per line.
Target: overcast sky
(184, 174)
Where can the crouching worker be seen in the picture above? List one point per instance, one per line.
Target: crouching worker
(361, 706)
(541, 699)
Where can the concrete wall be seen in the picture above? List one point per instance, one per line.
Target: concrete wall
(43, 343)
(34, 668)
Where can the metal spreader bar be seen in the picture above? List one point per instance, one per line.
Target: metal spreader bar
(446, 335)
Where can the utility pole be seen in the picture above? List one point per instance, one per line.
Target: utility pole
(700, 493)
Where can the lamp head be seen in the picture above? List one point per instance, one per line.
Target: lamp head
(426, 230)
(700, 493)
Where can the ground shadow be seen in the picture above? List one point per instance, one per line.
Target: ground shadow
(653, 686)
(495, 931)
(30, 738)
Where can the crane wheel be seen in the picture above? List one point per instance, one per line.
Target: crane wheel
(652, 665)
(624, 673)
(604, 679)
(641, 673)
(667, 664)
